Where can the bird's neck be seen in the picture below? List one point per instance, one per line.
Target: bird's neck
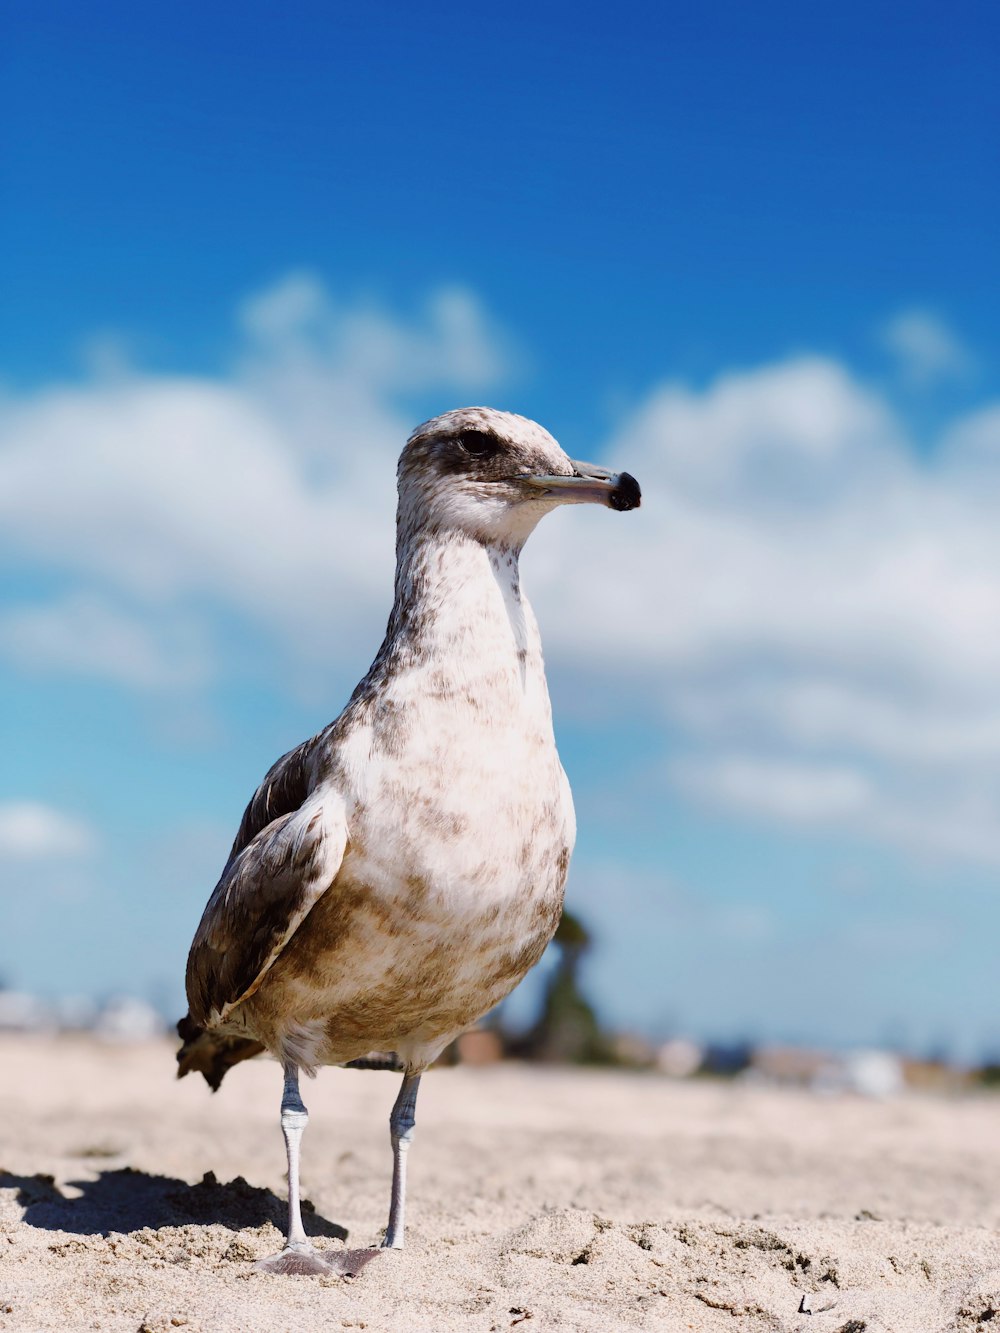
(459, 604)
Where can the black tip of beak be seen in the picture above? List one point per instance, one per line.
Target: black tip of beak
(626, 494)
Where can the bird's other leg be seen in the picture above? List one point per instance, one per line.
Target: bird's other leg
(401, 1123)
(298, 1256)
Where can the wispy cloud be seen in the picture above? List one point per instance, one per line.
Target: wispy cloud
(35, 832)
(452, 342)
(922, 816)
(796, 793)
(925, 349)
(88, 634)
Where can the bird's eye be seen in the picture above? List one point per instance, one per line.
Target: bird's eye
(479, 445)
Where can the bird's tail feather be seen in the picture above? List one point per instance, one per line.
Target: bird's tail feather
(210, 1053)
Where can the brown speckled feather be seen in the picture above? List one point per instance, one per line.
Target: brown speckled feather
(285, 787)
(285, 857)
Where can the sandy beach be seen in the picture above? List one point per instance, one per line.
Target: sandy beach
(542, 1199)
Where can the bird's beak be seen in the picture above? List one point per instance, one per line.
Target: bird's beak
(589, 484)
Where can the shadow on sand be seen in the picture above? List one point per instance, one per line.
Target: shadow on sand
(126, 1200)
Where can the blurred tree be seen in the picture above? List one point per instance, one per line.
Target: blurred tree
(566, 1029)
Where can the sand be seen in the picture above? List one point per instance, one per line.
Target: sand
(539, 1199)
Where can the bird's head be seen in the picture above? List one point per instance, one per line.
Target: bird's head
(493, 475)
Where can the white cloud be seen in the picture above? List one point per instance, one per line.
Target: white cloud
(803, 591)
(972, 445)
(805, 605)
(169, 488)
(795, 793)
(270, 493)
(926, 350)
(452, 343)
(873, 565)
(291, 308)
(32, 831)
(787, 431)
(86, 634)
(814, 712)
(925, 818)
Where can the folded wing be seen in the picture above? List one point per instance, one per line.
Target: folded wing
(287, 854)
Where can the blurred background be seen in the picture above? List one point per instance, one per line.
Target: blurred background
(747, 252)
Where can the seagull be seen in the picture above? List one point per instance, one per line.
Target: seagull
(396, 876)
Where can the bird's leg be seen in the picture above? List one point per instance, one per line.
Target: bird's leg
(298, 1256)
(401, 1123)
(294, 1118)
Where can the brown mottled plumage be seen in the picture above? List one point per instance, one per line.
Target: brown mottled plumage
(396, 875)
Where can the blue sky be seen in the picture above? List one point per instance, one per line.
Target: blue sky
(747, 252)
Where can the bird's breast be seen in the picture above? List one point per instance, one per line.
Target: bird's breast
(451, 884)
(459, 791)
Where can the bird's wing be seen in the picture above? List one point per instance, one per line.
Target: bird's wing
(285, 787)
(282, 862)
